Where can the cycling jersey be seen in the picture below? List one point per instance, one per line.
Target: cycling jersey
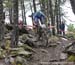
(39, 16)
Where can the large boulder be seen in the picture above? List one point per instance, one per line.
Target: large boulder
(19, 52)
(28, 39)
(53, 41)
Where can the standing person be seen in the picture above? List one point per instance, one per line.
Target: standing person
(62, 28)
(49, 28)
(20, 24)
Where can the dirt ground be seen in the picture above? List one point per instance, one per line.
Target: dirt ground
(50, 54)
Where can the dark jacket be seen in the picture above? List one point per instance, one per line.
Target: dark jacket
(62, 26)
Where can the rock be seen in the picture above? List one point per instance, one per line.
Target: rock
(34, 39)
(25, 53)
(7, 38)
(58, 42)
(7, 45)
(21, 60)
(30, 36)
(19, 51)
(28, 39)
(26, 47)
(64, 39)
(20, 43)
(30, 43)
(53, 39)
(2, 53)
(63, 56)
(70, 43)
(43, 50)
(24, 36)
(52, 45)
(7, 60)
(12, 60)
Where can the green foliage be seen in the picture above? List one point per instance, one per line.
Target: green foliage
(71, 32)
(71, 58)
(70, 35)
(71, 28)
(7, 3)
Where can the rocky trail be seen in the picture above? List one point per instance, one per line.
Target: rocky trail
(46, 55)
(50, 54)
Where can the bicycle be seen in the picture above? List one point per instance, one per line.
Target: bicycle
(42, 35)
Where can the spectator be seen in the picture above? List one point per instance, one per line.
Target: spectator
(62, 28)
(20, 24)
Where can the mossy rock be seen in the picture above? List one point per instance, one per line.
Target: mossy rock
(16, 49)
(26, 47)
(53, 39)
(24, 38)
(7, 45)
(2, 53)
(20, 51)
(26, 54)
(20, 60)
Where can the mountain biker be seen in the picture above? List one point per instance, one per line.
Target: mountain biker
(39, 17)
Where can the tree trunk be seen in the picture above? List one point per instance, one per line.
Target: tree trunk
(52, 16)
(57, 15)
(73, 5)
(34, 5)
(31, 10)
(23, 12)
(43, 6)
(1, 22)
(10, 15)
(15, 33)
(10, 11)
(24, 15)
(48, 12)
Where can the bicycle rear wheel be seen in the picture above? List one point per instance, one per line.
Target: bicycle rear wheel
(45, 39)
